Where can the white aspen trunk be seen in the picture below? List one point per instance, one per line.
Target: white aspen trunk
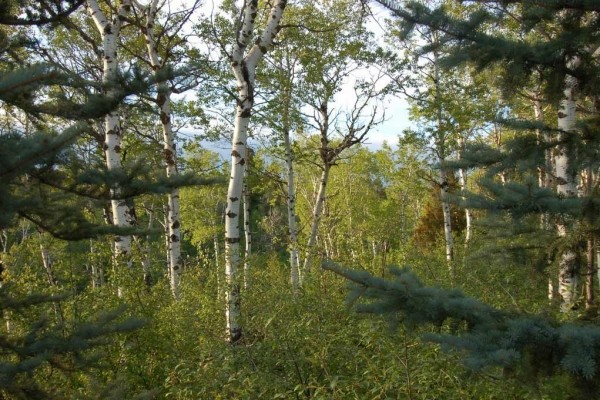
(109, 32)
(144, 250)
(217, 266)
(447, 222)
(462, 181)
(244, 70)
(589, 276)
(163, 100)
(247, 232)
(4, 240)
(167, 241)
(373, 254)
(316, 219)
(566, 186)
(544, 181)
(97, 271)
(216, 250)
(291, 209)
(440, 149)
(48, 266)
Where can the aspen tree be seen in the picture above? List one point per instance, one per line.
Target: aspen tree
(291, 206)
(330, 152)
(159, 66)
(284, 117)
(247, 231)
(244, 62)
(440, 150)
(566, 186)
(109, 30)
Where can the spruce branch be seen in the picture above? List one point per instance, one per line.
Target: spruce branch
(489, 337)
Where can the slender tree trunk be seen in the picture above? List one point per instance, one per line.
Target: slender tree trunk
(244, 70)
(316, 220)
(4, 314)
(247, 232)
(291, 209)
(447, 223)
(567, 187)
(597, 246)
(4, 240)
(109, 31)
(163, 101)
(97, 271)
(589, 277)
(216, 250)
(167, 240)
(462, 180)
(544, 181)
(48, 265)
(444, 187)
(52, 281)
(144, 249)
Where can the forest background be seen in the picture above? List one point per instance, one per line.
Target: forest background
(136, 263)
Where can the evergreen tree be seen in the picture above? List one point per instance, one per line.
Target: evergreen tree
(43, 180)
(557, 44)
(486, 337)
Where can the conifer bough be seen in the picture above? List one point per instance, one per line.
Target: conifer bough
(491, 337)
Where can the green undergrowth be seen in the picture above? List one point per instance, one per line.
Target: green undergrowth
(309, 346)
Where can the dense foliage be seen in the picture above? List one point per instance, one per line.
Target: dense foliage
(112, 109)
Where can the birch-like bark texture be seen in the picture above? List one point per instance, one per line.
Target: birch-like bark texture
(444, 186)
(247, 232)
(244, 66)
(316, 219)
(287, 88)
(109, 31)
(163, 101)
(566, 186)
(544, 179)
(462, 181)
(291, 209)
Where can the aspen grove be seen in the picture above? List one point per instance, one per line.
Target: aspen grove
(284, 199)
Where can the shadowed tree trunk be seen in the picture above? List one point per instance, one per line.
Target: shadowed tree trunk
(566, 186)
